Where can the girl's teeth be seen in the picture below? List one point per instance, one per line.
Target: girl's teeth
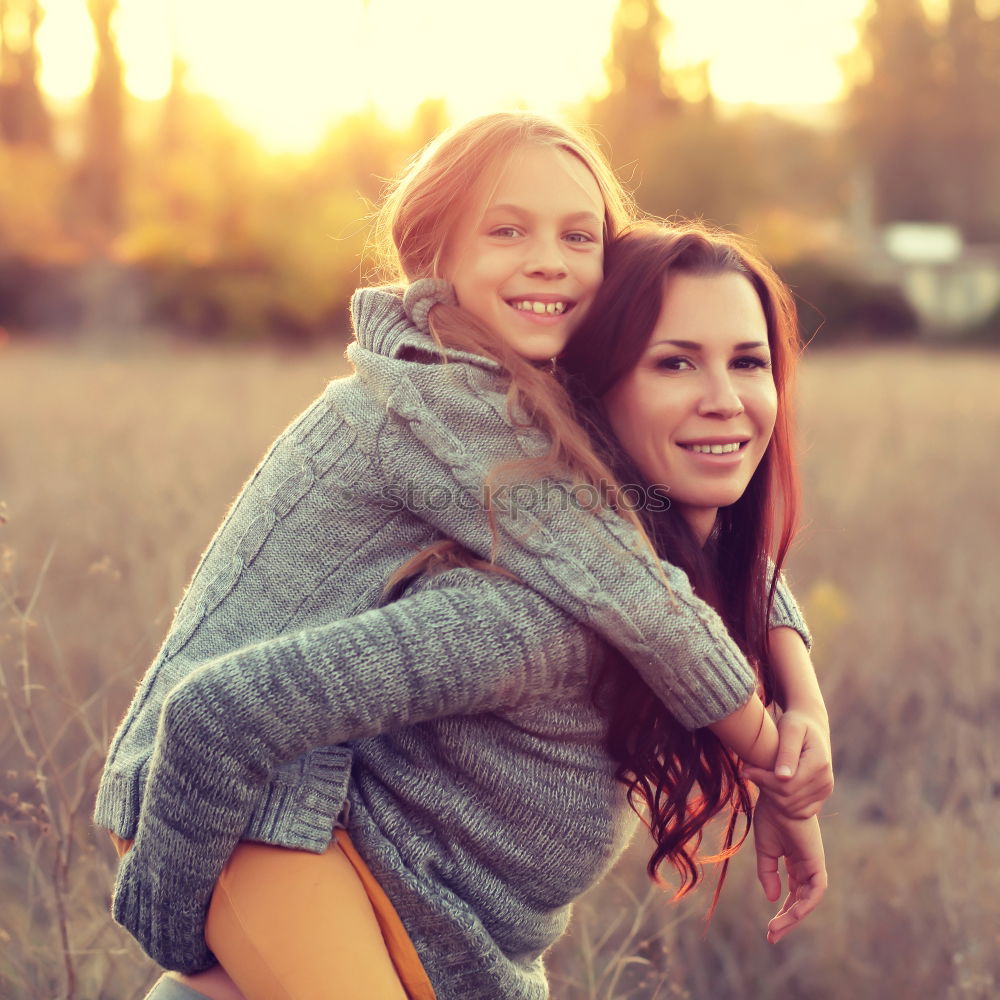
(714, 449)
(552, 308)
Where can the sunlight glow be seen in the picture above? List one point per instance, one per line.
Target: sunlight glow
(769, 51)
(144, 30)
(287, 71)
(66, 47)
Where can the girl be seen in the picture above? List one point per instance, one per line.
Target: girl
(371, 470)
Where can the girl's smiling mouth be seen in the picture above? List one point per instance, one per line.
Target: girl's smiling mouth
(541, 305)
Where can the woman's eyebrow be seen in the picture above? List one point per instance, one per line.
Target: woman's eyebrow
(693, 345)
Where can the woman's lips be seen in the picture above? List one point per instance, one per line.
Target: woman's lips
(716, 453)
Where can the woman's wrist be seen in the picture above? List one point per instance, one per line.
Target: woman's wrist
(750, 733)
(813, 708)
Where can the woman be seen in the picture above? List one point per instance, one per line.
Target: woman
(486, 796)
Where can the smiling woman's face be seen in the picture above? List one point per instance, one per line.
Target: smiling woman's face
(697, 412)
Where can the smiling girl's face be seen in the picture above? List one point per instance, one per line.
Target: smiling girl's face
(528, 256)
(697, 412)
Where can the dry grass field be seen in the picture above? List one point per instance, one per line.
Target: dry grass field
(114, 471)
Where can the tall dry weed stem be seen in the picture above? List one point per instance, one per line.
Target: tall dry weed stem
(116, 471)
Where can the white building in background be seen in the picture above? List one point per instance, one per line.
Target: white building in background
(950, 285)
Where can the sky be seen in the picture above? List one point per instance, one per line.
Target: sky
(285, 70)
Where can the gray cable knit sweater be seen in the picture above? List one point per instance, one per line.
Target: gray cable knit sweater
(260, 678)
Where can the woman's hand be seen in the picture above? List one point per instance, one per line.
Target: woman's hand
(802, 775)
(802, 779)
(800, 843)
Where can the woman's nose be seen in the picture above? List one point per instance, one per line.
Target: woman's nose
(720, 398)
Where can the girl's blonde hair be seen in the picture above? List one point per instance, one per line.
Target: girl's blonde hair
(419, 214)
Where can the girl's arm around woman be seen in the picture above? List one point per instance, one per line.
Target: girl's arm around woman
(468, 643)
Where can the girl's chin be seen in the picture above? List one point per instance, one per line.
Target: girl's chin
(540, 346)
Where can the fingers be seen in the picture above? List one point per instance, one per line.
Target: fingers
(802, 795)
(798, 904)
(793, 802)
(803, 897)
(791, 738)
(765, 779)
(814, 773)
(783, 921)
(768, 874)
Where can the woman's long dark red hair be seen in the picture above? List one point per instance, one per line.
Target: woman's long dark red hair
(678, 780)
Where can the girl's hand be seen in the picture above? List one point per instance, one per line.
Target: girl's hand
(802, 779)
(800, 843)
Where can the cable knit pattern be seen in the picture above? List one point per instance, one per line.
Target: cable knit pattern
(479, 794)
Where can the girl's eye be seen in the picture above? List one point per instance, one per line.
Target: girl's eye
(580, 238)
(673, 364)
(505, 232)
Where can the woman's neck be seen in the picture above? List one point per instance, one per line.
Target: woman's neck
(701, 521)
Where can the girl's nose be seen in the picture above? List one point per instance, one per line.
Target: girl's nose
(545, 259)
(720, 398)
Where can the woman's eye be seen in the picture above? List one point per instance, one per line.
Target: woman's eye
(673, 364)
(751, 361)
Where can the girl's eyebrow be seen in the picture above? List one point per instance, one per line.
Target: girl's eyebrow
(693, 345)
(579, 217)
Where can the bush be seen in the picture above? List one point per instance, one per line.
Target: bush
(836, 306)
(986, 332)
(36, 295)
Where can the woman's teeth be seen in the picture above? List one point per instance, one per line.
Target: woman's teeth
(714, 449)
(552, 308)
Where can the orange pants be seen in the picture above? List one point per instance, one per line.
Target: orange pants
(292, 925)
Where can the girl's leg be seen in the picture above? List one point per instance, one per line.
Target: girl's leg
(291, 925)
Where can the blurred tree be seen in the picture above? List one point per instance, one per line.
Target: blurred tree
(429, 120)
(101, 173)
(175, 108)
(361, 153)
(24, 118)
(665, 136)
(636, 75)
(641, 96)
(896, 112)
(970, 173)
(926, 115)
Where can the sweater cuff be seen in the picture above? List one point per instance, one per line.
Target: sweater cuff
(725, 688)
(785, 612)
(156, 905)
(303, 800)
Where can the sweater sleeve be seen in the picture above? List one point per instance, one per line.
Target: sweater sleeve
(785, 610)
(448, 432)
(468, 643)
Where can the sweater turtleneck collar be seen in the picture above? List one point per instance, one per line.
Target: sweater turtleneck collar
(382, 325)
